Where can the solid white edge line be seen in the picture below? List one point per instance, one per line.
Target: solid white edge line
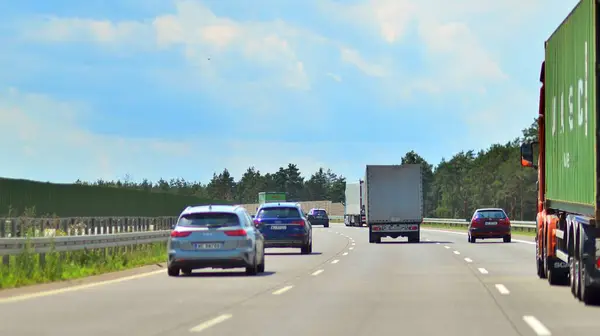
(502, 289)
(282, 290)
(464, 234)
(469, 260)
(205, 325)
(318, 272)
(76, 288)
(483, 270)
(537, 326)
(335, 261)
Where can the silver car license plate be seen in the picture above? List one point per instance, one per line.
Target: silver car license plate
(208, 246)
(278, 227)
(491, 223)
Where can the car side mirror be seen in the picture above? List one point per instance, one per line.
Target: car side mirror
(527, 155)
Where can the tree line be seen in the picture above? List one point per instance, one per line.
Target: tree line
(452, 189)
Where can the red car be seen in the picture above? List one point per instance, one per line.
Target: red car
(489, 223)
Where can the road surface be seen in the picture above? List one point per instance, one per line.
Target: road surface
(442, 286)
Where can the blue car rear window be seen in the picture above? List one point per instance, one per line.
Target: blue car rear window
(283, 212)
(491, 214)
(320, 213)
(209, 219)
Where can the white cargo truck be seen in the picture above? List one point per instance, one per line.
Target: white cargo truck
(353, 204)
(394, 201)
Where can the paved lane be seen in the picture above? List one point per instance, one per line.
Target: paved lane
(158, 304)
(348, 287)
(416, 289)
(512, 267)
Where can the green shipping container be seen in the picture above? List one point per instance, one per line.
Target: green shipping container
(270, 197)
(571, 113)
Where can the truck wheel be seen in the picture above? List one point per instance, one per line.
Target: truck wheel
(572, 276)
(541, 266)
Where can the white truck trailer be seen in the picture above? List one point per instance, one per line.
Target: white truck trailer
(354, 214)
(394, 201)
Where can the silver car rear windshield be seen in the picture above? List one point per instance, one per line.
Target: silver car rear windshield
(212, 219)
(283, 212)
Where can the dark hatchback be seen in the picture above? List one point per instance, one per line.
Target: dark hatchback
(318, 217)
(283, 225)
(489, 223)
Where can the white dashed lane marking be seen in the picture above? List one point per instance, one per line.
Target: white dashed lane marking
(317, 272)
(502, 289)
(282, 290)
(537, 326)
(205, 325)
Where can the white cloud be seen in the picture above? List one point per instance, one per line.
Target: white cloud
(43, 136)
(353, 57)
(456, 58)
(203, 35)
(335, 77)
(46, 139)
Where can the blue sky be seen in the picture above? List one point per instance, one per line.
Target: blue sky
(161, 88)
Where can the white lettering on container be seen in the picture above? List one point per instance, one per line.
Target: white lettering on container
(581, 106)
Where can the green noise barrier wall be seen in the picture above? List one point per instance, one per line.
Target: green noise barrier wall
(73, 200)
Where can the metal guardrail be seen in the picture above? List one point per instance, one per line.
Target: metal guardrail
(12, 246)
(101, 234)
(513, 223)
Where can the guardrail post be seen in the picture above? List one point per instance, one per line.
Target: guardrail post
(13, 228)
(3, 222)
(138, 225)
(92, 228)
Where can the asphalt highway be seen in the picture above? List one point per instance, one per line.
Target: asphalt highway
(441, 286)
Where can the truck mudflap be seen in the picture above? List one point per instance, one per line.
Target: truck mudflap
(394, 230)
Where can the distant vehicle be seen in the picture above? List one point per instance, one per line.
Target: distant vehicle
(354, 207)
(284, 225)
(394, 201)
(215, 236)
(271, 197)
(318, 217)
(489, 223)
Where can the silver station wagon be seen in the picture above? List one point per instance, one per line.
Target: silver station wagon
(215, 236)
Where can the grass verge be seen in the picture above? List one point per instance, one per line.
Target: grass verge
(515, 231)
(27, 268)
